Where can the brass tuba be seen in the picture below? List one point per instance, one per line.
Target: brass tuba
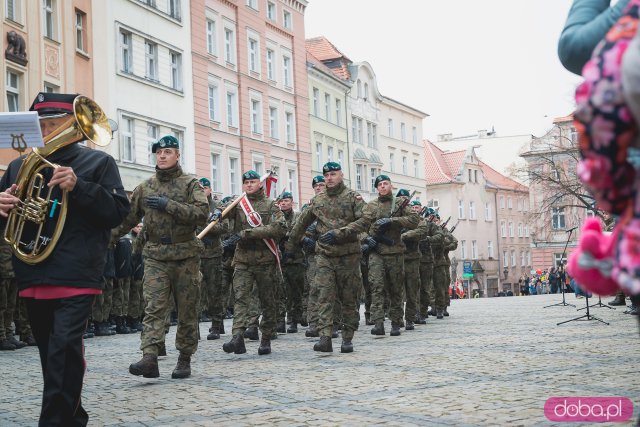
(88, 122)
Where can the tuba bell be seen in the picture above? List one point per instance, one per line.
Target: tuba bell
(36, 212)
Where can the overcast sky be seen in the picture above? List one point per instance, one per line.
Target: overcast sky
(469, 64)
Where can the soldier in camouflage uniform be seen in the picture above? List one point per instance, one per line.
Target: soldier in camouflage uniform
(341, 214)
(122, 283)
(173, 205)
(309, 247)
(386, 260)
(255, 265)
(411, 272)
(8, 294)
(136, 304)
(451, 244)
(440, 266)
(211, 266)
(103, 302)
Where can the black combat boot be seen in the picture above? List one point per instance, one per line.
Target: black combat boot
(91, 327)
(334, 331)
(162, 349)
(121, 327)
(619, 299)
(134, 324)
(204, 317)
(378, 329)
(281, 328)
(346, 347)
(304, 322)
(222, 331)
(445, 312)
(395, 330)
(265, 346)
(439, 314)
(5, 344)
(420, 320)
(19, 344)
(236, 345)
(431, 312)
(274, 336)
(251, 333)
(102, 330)
(409, 326)
(183, 367)
(293, 328)
(31, 341)
(324, 345)
(367, 319)
(312, 332)
(147, 366)
(214, 334)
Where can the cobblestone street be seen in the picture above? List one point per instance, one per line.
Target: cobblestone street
(493, 362)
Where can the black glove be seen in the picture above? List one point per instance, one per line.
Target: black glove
(364, 249)
(157, 202)
(231, 241)
(215, 215)
(371, 242)
(328, 238)
(286, 256)
(309, 245)
(383, 223)
(312, 228)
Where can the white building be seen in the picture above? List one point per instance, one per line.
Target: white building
(142, 70)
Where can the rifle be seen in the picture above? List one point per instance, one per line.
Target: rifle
(444, 225)
(454, 227)
(379, 236)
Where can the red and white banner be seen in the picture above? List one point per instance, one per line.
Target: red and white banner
(255, 220)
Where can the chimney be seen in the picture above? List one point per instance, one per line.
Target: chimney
(445, 137)
(482, 133)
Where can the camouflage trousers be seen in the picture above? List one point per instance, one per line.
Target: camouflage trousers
(248, 279)
(8, 293)
(136, 302)
(121, 290)
(312, 302)
(447, 297)
(102, 303)
(281, 299)
(366, 287)
(386, 278)
(294, 279)
(212, 287)
(440, 286)
(426, 287)
(338, 281)
(161, 279)
(411, 288)
(305, 295)
(21, 319)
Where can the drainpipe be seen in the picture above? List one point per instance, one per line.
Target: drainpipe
(346, 126)
(495, 199)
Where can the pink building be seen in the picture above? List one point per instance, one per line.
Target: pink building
(250, 93)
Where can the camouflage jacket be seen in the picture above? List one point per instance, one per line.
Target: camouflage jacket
(404, 218)
(340, 209)
(432, 243)
(298, 256)
(417, 240)
(450, 244)
(6, 265)
(212, 240)
(169, 235)
(441, 249)
(251, 249)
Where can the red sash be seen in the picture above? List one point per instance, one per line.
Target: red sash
(255, 220)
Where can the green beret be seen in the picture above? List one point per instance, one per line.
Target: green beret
(380, 178)
(286, 195)
(316, 180)
(205, 182)
(416, 203)
(250, 175)
(227, 199)
(403, 193)
(167, 141)
(331, 166)
(429, 212)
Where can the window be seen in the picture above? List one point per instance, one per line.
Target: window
(288, 116)
(214, 107)
(359, 88)
(273, 122)
(271, 74)
(487, 211)
(271, 11)
(558, 259)
(503, 229)
(501, 202)
(254, 56)
(257, 166)
(505, 259)
(151, 60)
(229, 46)
(286, 71)
(319, 155)
(293, 187)
(469, 170)
(520, 229)
(474, 249)
(519, 204)
(526, 230)
(490, 248)
(433, 203)
(13, 91)
(256, 116)
(176, 70)
(590, 213)
(151, 3)
(513, 258)
(316, 101)
(359, 177)
(211, 37)
(391, 161)
(360, 131)
(374, 133)
(416, 169)
(557, 218)
(403, 131)
(522, 259)
(49, 8)
(338, 112)
(528, 258)
(555, 174)
(252, 4)
(174, 9)
(460, 209)
(463, 249)
(126, 52)
(340, 157)
(233, 176)
(126, 133)
(511, 233)
(232, 103)
(472, 210)
(12, 10)
(81, 18)
(330, 154)
(372, 176)
(370, 134)
(215, 173)
(286, 20)
(51, 88)
(405, 167)
(475, 174)
(414, 135)
(366, 91)
(354, 131)
(152, 135)
(327, 107)
(509, 204)
(390, 128)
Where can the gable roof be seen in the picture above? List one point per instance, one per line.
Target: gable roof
(437, 169)
(326, 52)
(500, 181)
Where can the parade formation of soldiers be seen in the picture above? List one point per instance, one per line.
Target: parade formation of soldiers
(274, 268)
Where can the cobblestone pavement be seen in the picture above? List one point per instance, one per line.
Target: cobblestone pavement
(493, 362)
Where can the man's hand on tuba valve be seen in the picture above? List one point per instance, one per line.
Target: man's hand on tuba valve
(8, 201)
(64, 177)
